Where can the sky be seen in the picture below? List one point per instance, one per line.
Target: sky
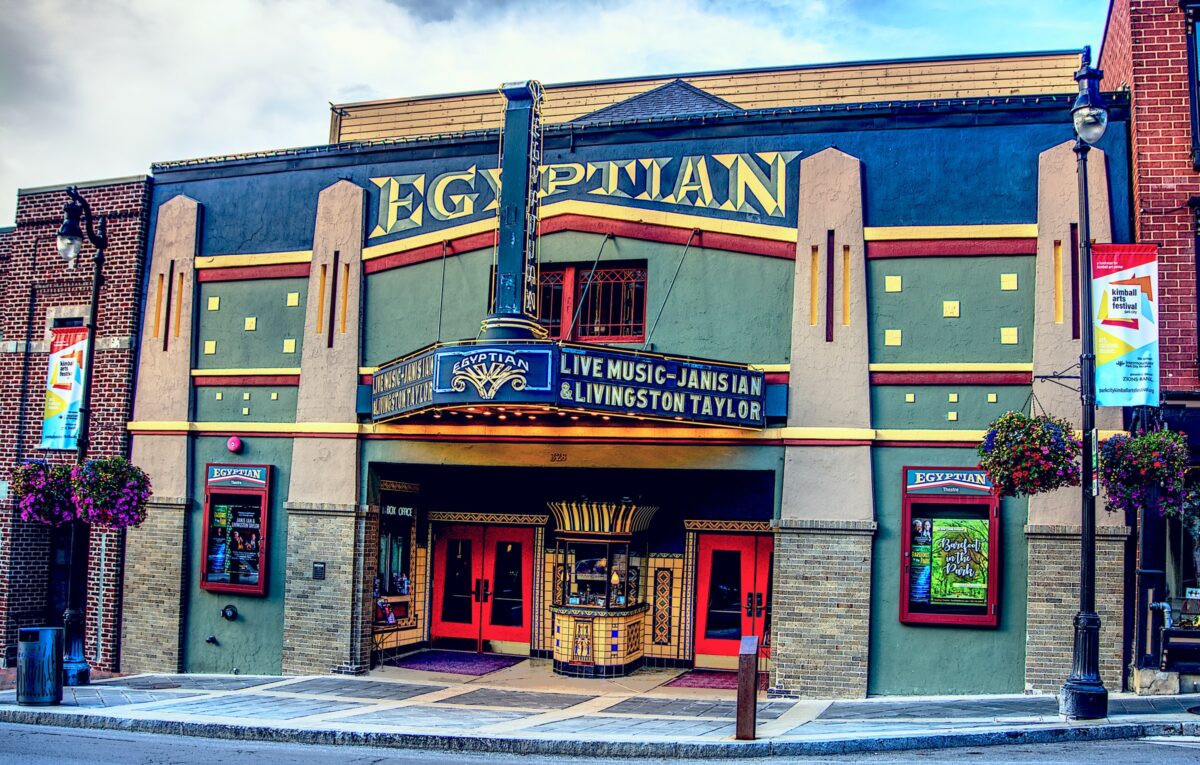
(101, 89)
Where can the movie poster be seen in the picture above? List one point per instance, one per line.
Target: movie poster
(920, 552)
(959, 564)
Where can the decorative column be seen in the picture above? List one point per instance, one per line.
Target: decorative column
(327, 600)
(152, 625)
(822, 587)
(1054, 524)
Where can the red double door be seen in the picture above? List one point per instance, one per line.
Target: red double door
(733, 587)
(482, 583)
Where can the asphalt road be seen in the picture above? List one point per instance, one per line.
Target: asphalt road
(37, 745)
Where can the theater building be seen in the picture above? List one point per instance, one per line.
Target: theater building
(710, 363)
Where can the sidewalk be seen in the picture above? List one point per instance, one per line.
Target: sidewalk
(525, 709)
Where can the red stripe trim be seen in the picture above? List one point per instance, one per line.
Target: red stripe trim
(931, 444)
(951, 378)
(824, 442)
(206, 381)
(587, 224)
(243, 273)
(776, 378)
(933, 248)
(366, 379)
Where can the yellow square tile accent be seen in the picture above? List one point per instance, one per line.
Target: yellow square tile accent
(245, 410)
(214, 304)
(892, 337)
(953, 398)
(250, 324)
(246, 396)
(1008, 282)
(910, 398)
(992, 398)
(893, 284)
(274, 396)
(210, 347)
(293, 299)
(1008, 335)
(289, 345)
(220, 395)
(952, 416)
(950, 309)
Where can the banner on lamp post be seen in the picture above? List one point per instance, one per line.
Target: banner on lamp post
(64, 388)
(1125, 323)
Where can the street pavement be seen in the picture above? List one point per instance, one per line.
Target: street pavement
(525, 710)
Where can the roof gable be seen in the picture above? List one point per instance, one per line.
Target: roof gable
(675, 98)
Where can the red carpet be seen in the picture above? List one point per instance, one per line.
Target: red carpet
(707, 678)
(457, 662)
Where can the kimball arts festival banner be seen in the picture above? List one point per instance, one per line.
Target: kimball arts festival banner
(1125, 300)
(64, 388)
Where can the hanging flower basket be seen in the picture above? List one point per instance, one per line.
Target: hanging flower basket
(43, 493)
(110, 492)
(1030, 455)
(1130, 465)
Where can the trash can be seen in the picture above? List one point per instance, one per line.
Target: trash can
(39, 666)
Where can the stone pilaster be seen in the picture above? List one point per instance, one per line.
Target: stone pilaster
(821, 609)
(1054, 601)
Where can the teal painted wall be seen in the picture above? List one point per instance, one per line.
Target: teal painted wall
(724, 305)
(253, 644)
(916, 310)
(234, 403)
(936, 659)
(266, 301)
(931, 405)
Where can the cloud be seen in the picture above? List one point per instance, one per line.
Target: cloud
(102, 89)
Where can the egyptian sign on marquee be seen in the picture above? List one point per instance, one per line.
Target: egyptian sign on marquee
(602, 380)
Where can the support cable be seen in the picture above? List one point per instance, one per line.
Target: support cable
(662, 306)
(583, 295)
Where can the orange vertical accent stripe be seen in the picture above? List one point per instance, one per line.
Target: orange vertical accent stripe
(813, 289)
(845, 285)
(1058, 282)
(345, 298)
(178, 304)
(158, 298)
(321, 301)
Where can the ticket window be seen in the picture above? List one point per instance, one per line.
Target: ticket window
(950, 548)
(393, 583)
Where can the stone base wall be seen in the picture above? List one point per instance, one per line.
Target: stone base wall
(821, 604)
(327, 623)
(1054, 601)
(155, 584)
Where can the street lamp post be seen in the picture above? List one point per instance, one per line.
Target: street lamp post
(1083, 696)
(70, 242)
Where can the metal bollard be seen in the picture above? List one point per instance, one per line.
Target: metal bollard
(39, 666)
(747, 690)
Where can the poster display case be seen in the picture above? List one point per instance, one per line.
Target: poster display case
(236, 529)
(949, 548)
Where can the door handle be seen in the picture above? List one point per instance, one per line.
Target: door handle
(758, 604)
(749, 604)
(477, 593)
(487, 590)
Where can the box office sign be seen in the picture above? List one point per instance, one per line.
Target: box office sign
(590, 379)
(236, 529)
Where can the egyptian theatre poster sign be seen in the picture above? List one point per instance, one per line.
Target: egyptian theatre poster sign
(1125, 300)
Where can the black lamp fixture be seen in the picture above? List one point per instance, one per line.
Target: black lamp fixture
(1083, 696)
(71, 233)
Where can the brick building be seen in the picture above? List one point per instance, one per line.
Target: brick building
(38, 293)
(1149, 52)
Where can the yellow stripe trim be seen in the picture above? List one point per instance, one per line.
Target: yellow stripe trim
(953, 367)
(254, 259)
(983, 231)
(245, 372)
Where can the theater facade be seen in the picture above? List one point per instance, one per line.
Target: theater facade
(699, 368)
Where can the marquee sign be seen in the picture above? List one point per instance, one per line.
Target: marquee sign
(589, 379)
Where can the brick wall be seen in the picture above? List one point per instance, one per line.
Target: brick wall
(1145, 48)
(36, 283)
(1054, 601)
(155, 583)
(821, 605)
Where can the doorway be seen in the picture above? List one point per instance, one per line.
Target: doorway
(733, 597)
(482, 585)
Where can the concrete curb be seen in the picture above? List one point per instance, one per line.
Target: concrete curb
(830, 745)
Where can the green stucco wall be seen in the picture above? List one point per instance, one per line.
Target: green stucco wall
(275, 320)
(236, 403)
(936, 659)
(253, 644)
(931, 405)
(724, 305)
(916, 310)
